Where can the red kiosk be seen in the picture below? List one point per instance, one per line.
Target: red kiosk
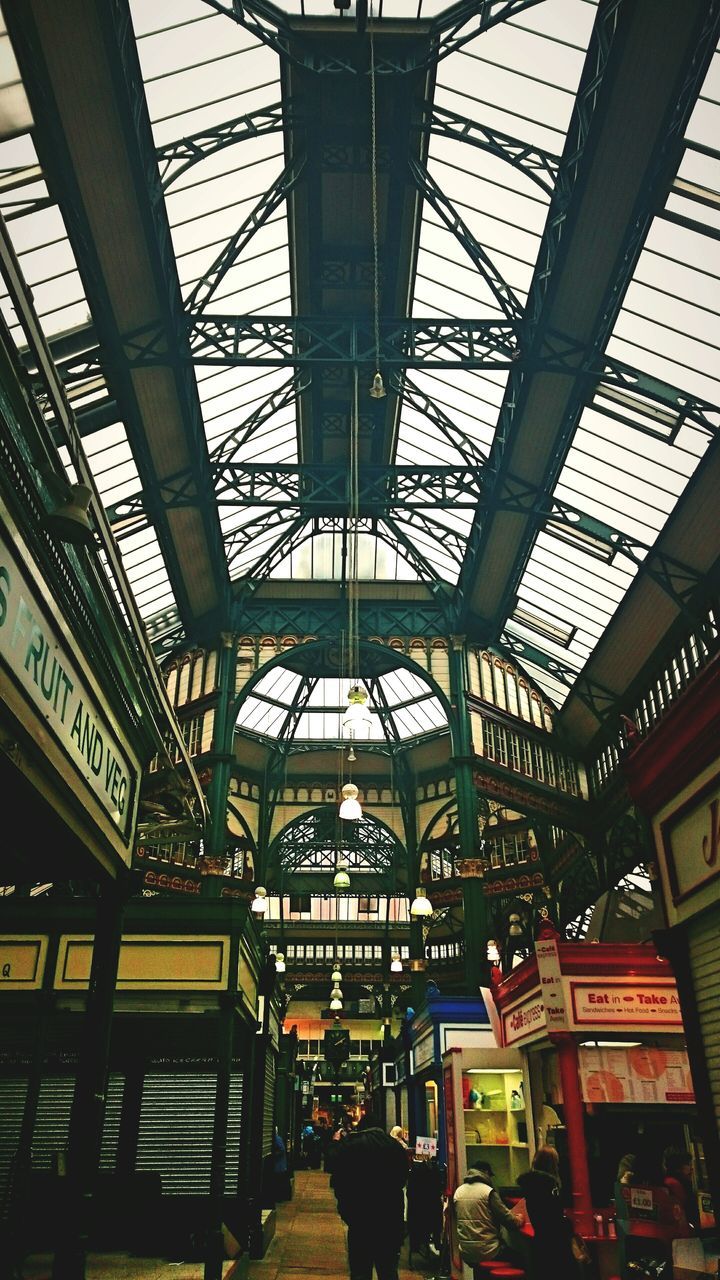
(600, 1027)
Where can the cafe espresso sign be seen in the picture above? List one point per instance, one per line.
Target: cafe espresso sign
(37, 652)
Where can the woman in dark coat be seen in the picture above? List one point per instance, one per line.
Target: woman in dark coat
(551, 1252)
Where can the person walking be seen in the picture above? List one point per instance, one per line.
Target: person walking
(551, 1247)
(369, 1173)
(480, 1217)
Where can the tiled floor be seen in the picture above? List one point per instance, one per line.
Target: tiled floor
(121, 1266)
(310, 1237)
(309, 1242)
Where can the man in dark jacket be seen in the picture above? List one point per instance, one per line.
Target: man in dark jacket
(369, 1173)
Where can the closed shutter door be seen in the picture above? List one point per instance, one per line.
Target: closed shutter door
(12, 1106)
(52, 1120)
(268, 1106)
(175, 1131)
(234, 1134)
(704, 949)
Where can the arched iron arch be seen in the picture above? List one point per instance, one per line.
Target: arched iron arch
(311, 843)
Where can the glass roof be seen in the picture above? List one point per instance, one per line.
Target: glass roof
(502, 104)
(401, 704)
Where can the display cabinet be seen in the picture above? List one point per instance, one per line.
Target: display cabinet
(495, 1121)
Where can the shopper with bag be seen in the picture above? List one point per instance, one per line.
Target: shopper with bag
(556, 1251)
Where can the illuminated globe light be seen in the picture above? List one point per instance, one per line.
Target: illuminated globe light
(357, 721)
(279, 962)
(342, 879)
(350, 807)
(336, 1005)
(259, 903)
(421, 905)
(395, 962)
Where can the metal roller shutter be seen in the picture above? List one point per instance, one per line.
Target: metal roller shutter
(12, 1106)
(704, 951)
(268, 1127)
(176, 1130)
(52, 1119)
(234, 1134)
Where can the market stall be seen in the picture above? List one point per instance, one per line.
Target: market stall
(599, 1030)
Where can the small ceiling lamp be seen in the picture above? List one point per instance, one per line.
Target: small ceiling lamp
(377, 390)
(259, 903)
(336, 993)
(351, 756)
(421, 905)
(350, 808)
(336, 1006)
(342, 879)
(336, 976)
(357, 720)
(395, 962)
(279, 962)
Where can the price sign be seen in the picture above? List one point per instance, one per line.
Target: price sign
(426, 1146)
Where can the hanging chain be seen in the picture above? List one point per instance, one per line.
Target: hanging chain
(373, 188)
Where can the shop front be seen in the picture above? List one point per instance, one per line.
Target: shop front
(599, 1031)
(461, 1022)
(674, 776)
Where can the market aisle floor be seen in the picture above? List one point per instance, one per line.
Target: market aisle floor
(310, 1237)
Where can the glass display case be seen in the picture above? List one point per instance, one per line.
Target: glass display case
(495, 1122)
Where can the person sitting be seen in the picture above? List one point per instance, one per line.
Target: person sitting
(480, 1217)
(551, 1250)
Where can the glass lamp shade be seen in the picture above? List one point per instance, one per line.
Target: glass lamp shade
(357, 720)
(336, 976)
(342, 880)
(279, 962)
(259, 903)
(395, 963)
(350, 807)
(336, 1005)
(421, 905)
(336, 993)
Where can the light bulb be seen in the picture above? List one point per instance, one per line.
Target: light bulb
(350, 808)
(259, 902)
(421, 905)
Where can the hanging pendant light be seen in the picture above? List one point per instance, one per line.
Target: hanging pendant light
(350, 807)
(336, 1005)
(395, 962)
(336, 976)
(357, 721)
(336, 993)
(377, 390)
(342, 879)
(351, 756)
(421, 905)
(279, 962)
(259, 903)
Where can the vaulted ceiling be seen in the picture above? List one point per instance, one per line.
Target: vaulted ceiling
(232, 215)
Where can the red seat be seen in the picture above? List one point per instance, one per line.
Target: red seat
(498, 1270)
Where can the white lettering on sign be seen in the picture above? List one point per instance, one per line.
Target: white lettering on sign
(551, 983)
(524, 1019)
(33, 648)
(620, 1004)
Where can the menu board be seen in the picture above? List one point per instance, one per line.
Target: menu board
(641, 1074)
